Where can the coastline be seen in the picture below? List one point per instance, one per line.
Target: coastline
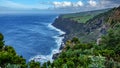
(59, 41)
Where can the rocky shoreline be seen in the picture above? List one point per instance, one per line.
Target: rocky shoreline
(88, 32)
(68, 26)
(55, 56)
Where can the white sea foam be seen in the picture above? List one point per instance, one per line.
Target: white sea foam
(43, 58)
(52, 27)
(57, 17)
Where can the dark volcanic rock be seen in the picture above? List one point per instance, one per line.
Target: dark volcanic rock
(62, 46)
(55, 56)
(62, 35)
(68, 26)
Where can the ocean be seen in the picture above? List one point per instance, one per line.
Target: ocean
(31, 35)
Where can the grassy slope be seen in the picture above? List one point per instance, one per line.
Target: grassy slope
(83, 17)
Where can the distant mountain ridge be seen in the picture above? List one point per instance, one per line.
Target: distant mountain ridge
(94, 25)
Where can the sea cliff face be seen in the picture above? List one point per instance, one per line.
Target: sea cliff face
(68, 26)
(90, 31)
(80, 30)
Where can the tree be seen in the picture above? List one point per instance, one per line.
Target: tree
(70, 64)
(33, 64)
(12, 66)
(1, 41)
(8, 56)
(75, 40)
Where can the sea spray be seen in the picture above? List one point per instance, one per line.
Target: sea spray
(58, 40)
(33, 34)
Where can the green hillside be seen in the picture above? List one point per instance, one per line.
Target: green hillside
(91, 55)
(95, 24)
(104, 54)
(83, 17)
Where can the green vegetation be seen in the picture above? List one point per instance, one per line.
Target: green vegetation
(82, 17)
(34, 64)
(10, 59)
(93, 29)
(106, 54)
(90, 55)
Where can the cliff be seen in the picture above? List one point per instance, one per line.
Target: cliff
(104, 54)
(87, 26)
(68, 26)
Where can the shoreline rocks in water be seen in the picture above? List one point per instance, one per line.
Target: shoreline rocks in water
(55, 56)
(62, 46)
(62, 35)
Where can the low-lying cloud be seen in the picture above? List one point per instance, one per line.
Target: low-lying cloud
(92, 3)
(66, 4)
(63, 6)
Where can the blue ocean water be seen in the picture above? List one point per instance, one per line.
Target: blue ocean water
(32, 36)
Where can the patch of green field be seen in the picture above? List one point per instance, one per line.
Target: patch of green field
(80, 17)
(83, 19)
(71, 15)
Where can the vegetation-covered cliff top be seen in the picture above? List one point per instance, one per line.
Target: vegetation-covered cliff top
(88, 26)
(83, 17)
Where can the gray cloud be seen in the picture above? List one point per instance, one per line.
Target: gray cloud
(90, 5)
(109, 3)
(67, 4)
(113, 1)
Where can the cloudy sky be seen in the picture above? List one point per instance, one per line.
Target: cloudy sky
(55, 6)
